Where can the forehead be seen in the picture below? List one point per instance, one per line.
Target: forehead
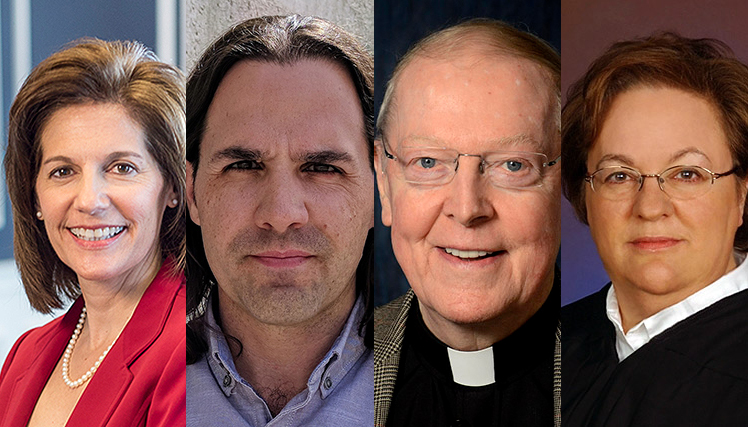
(475, 101)
(89, 129)
(308, 105)
(650, 124)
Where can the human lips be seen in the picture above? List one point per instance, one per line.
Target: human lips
(96, 233)
(282, 259)
(654, 243)
(468, 254)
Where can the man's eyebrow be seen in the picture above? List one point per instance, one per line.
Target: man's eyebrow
(514, 141)
(326, 156)
(236, 153)
(522, 140)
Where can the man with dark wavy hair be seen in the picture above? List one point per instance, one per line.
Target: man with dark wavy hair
(280, 191)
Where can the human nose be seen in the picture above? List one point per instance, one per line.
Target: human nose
(282, 205)
(467, 201)
(651, 202)
(92, 197)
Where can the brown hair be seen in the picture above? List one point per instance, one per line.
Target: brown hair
(92, 71)
(704, 67)
(494, 36)
(282, 40)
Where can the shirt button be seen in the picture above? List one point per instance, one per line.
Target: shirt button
(226, 381)
(328, 383)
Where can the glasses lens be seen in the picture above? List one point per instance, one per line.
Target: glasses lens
(616, 182)
(427, 165)
(515, 169)
(686, 182)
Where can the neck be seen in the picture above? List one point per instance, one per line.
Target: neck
(481, 335)
(278, 359)
(636, 303)
(110, 303)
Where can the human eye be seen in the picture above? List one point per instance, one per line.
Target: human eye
(425, 167)
(515, 165)
(123, 168)
(244, 165)
(61, 172)
(512, 170)
(690, 175)
(425, 162)
(322, 168)
(618, 176)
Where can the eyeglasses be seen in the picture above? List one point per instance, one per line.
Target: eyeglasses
(438, 166)
(680, 182)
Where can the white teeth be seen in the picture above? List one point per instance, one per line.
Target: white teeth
(466, 254)
(96, 234)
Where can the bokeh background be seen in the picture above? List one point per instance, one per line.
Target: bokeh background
(588, 27)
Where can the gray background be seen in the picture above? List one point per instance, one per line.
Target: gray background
(208, 19)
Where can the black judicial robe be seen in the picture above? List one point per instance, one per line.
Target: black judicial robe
(425, 394)
(693, 374)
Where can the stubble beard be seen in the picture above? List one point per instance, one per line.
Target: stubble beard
(283, 297)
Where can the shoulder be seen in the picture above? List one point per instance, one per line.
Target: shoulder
(584, 315)
(32, 343)
(392, 314)
(22, 349)
(715, 338)
(32, 358)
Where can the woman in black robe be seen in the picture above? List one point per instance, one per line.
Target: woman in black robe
(664, 343)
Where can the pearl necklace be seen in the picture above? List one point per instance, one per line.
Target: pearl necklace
(69, 351)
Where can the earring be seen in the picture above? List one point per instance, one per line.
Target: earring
(175, 202)
(39, 214)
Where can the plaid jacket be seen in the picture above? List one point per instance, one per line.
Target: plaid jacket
(389, 331)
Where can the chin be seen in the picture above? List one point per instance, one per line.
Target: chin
(470, 313)
(656, 279)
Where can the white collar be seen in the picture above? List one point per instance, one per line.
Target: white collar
(729, 284)
(472, 368)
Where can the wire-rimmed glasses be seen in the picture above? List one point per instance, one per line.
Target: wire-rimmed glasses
(680, 182)
(438, 166)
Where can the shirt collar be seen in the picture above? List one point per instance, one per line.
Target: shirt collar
(627, 343)
(342, 356)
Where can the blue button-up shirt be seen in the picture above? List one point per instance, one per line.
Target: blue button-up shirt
(340, 391)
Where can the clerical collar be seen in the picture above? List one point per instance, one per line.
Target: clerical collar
(503, 362)
(472, 368)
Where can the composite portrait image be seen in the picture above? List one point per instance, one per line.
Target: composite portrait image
(373, 213)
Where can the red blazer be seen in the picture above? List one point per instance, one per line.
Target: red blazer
(141, 382)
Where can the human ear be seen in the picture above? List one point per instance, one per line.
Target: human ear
(194, 213)
(382, 183)
(743, 189)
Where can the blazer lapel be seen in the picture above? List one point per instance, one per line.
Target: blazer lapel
(113, 378)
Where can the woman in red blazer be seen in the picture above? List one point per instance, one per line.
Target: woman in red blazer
(95, 171)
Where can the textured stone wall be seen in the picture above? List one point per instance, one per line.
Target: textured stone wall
(208, 19)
